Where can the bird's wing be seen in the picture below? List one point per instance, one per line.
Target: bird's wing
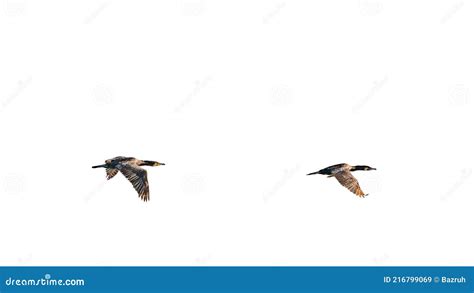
(111, 172)
(350, 182)
(138, 177)
(118, 159)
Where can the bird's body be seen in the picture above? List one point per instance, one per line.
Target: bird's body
(342, 172)
(131, 169)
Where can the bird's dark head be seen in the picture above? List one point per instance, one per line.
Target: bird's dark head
(362, 168)
(152, 163)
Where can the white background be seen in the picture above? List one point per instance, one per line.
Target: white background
(240, 99)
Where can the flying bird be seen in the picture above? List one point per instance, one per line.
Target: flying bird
(342, 172)
(130, 168)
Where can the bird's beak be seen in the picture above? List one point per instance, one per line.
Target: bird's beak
(159, 164)
(373, 169)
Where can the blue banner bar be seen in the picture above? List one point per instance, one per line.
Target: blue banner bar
(237, 279)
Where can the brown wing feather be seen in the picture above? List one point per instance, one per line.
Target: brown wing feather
(111, 172)
(138, 177)
(350, 182)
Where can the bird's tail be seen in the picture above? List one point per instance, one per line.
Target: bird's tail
(314, 173)
(100, 166)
